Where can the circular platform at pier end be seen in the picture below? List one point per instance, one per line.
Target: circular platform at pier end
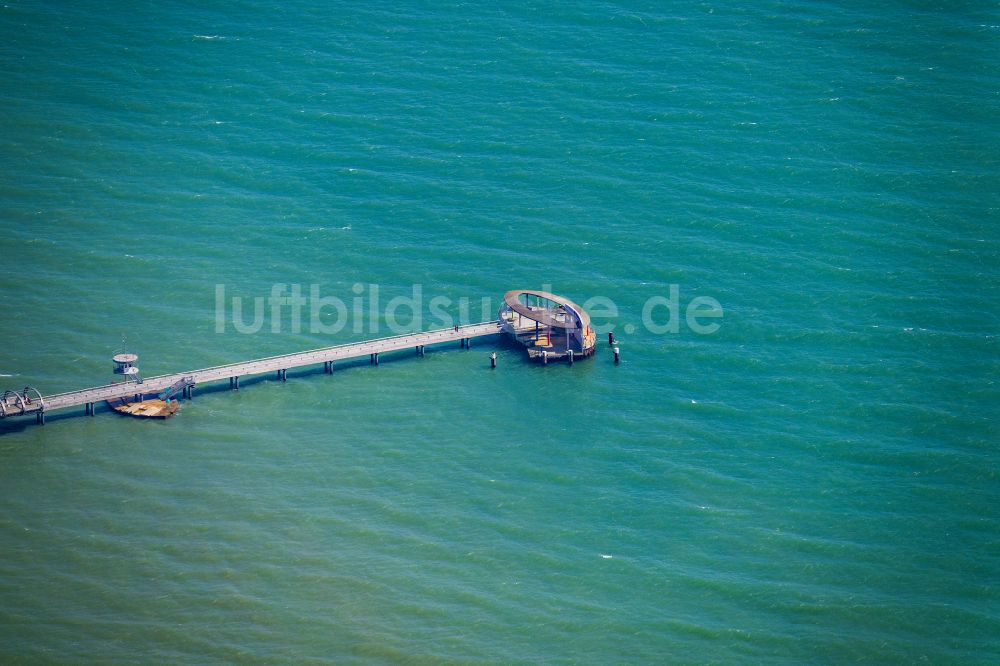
(578, 317)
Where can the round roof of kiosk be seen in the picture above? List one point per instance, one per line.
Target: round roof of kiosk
(511, 298)
(124, 358)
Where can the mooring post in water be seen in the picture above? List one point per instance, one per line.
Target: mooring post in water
(545, 357)
(571, 357)
(236, 383)
(375, 358)
(616, 354)
(611, 338)
(493, 359)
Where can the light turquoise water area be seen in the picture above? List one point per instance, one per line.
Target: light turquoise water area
(814, 482)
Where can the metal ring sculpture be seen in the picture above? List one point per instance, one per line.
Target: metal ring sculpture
(5, 401)
(38, 395)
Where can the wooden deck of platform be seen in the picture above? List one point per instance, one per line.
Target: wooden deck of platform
(274, 364)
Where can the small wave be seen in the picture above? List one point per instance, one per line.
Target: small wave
(3, 375)
(209, 37)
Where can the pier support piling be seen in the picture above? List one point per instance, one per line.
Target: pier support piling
(375, 358)
(571, 357)
(40, 418)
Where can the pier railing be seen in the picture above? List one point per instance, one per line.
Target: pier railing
(233, 371)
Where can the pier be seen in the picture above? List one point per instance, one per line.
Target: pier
(30, 401)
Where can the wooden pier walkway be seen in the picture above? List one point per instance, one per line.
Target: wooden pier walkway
(233, 371)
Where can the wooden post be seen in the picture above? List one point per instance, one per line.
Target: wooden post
(236, 382)
(493, 359)
(616, 355)
(376, 358)
(611, 338)
(40, 417)
(571, 357)
(545, 357)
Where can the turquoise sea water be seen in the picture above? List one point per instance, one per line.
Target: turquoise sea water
(814, 482)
